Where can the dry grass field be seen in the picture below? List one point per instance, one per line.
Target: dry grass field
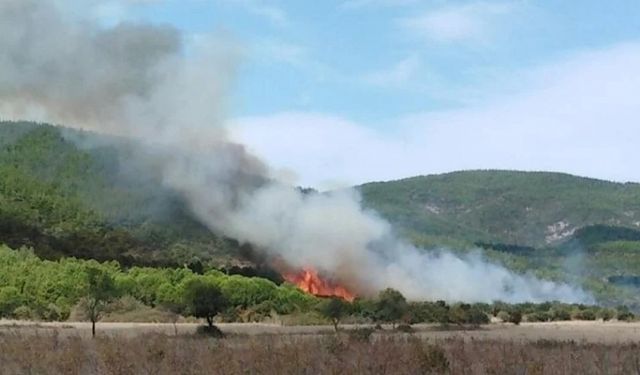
(598, 332)
(125, 348)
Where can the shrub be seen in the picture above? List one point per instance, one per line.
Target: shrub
(53, 313)
(477, 317)
(586, 314)
(503, 316)
(515, 317)
(625, 316)
(559, 314)
(23, 313)
(539, 316)
(605, 314)
(10, 299)
(391, 306)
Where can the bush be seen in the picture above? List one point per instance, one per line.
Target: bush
(515, 317)
(625, 316)
(559, 314)
(539, 316)
(391, 306)
(477, 317)
(586, 314)
(466, 314)
(503, 316)
(10, 299)
(53, 313)
(605, 314)
(23, 313)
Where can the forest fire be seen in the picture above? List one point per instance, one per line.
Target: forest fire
(309, 281)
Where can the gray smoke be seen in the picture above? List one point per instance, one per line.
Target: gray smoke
(140, 81)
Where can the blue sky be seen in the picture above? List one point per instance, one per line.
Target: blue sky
(346, 91)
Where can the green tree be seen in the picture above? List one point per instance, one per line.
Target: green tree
(204, 299)
(334, 309)
(101, 290)
(515, 317)
(170, 300)
(391, 306)
(10, 299)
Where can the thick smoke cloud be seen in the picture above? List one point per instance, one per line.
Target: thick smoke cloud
(138, 80)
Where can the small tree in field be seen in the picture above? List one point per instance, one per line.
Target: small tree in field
(204, 299)
(335, 309)
(101, 290)
(515, 317)
(391, 306)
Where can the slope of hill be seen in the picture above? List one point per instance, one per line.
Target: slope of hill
(64, 200)
(524, 208)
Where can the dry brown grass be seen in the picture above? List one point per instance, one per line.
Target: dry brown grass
(152, 353)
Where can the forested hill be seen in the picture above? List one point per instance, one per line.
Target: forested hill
(524, 208)
(64, 199)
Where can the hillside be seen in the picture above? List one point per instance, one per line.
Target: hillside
(53, 185)
(65, 200)
(69, 193)
(524, 208)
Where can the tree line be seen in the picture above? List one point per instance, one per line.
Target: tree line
(33, 288)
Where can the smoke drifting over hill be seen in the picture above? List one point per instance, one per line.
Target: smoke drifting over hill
(139, 81)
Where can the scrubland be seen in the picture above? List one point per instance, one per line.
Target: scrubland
(576, 348)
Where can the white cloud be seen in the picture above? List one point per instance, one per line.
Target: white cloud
(472, 22)
(400, 74)
(579, 115)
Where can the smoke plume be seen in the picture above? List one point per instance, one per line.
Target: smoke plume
(141, 81)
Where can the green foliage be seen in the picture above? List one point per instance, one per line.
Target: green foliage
(67, 201)
(559, 313)
(10, 299)
(463, 313)
(501, 207)
(100, 291)
(515, 317)
(334, 309)
(583, 314)
(623, 314)
(391, 306)
(49, 289)
(204, 299)
(63, 200)
(597, 234)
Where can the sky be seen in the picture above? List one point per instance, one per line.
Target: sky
(340, 92)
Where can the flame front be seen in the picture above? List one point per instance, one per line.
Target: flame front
(309, 281)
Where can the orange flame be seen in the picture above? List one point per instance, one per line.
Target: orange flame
(309, 281)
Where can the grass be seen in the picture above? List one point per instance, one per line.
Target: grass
(307, 354)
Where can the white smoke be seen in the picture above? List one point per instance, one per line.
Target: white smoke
(137, 80)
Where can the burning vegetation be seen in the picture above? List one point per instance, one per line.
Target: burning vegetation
(309, 281)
